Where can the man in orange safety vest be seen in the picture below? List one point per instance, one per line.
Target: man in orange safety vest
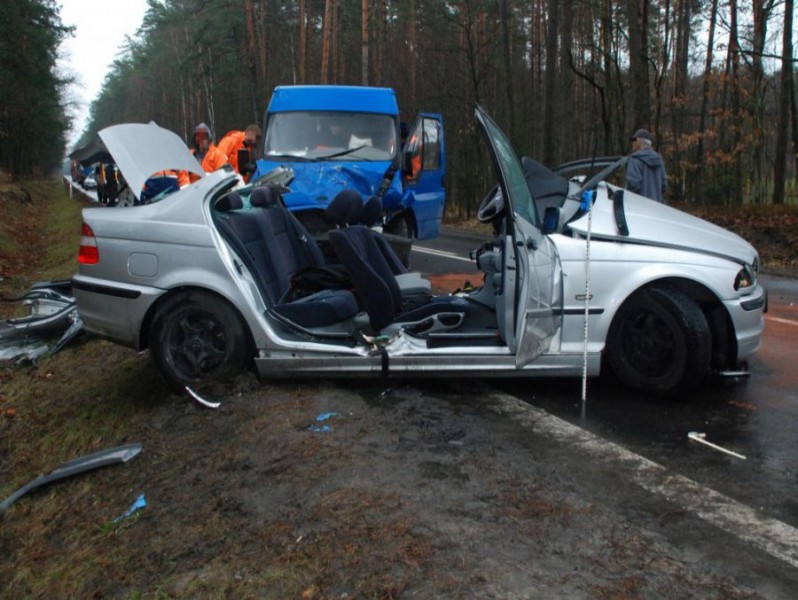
(240, 149)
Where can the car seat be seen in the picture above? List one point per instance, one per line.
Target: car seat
(379, 292)
(274, 247)
(347, 208)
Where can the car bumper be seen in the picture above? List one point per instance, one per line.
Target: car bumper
(748, 316)
(114, 310)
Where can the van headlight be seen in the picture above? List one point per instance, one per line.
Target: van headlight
(746, 277)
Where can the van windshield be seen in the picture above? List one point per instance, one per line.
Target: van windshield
(320, 135)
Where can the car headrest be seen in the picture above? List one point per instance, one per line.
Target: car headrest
(345, 208)
(263, 197)
(231, 201)
(372, 212)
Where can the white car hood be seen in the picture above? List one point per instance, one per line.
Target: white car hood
(653, 223)
(141, 150)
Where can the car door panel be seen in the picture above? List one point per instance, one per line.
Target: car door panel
(532, 274)
(539, 312)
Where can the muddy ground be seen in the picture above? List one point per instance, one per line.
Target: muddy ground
(409, 489)
(417, 490)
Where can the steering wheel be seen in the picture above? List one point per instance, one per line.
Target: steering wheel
(492, 205)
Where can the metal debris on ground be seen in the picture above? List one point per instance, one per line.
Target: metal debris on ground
(120, 454)
(52, 315)
(702, 439)
(384, 394)
(202, 401)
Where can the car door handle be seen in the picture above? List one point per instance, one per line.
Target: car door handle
(530, 244)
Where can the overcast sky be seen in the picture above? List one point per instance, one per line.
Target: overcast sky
(100, 30)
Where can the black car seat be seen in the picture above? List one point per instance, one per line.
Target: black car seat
(371, 214)
(347, 208)
(274, 247)
(379, 292)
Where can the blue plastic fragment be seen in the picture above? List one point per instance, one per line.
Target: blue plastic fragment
(323, 429)
(320, 419)
(587, 200)
(325, 416)
(140, 503)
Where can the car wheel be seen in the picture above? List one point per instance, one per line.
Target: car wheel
(400, 229)
(659, 341)
(198, 337)
(400, 226)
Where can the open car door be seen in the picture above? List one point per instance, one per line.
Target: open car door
(529, 312)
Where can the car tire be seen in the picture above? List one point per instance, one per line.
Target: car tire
(400, 236)
(197, 337)
(400, 226)
(660, 342)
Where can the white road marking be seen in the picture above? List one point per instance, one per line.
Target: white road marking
(778, 320)
(451, 255)
(777, 538)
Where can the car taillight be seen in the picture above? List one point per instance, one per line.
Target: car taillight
(88, 253)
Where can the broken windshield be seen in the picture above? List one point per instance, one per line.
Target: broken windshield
(323, 135)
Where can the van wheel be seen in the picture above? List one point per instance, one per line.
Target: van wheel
(659, 341)
(198, 337)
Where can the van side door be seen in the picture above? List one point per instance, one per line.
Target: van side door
(423, 173)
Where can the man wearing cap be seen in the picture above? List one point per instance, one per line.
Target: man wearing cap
(645, 171)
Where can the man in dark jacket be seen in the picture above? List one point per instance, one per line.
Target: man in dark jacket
(645, 171)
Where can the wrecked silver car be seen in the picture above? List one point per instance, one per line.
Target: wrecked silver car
(213, 279)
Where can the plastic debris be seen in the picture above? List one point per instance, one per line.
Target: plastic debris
(702, 439)
(320, 419)
(587, 200)
(140, 503)
(384, 394)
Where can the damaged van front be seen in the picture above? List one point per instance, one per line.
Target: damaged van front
(336, 138)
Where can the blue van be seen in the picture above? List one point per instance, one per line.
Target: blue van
(337, 137)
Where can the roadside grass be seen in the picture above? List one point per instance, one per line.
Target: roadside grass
(66, 405)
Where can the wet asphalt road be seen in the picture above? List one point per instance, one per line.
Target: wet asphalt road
(755, 417)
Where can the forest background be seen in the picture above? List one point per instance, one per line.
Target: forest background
(713, 80)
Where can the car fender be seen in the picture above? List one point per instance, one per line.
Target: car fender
(216, 281)
(619, 270)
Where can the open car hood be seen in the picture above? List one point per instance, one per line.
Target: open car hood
(139, 150)
(652, 223)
